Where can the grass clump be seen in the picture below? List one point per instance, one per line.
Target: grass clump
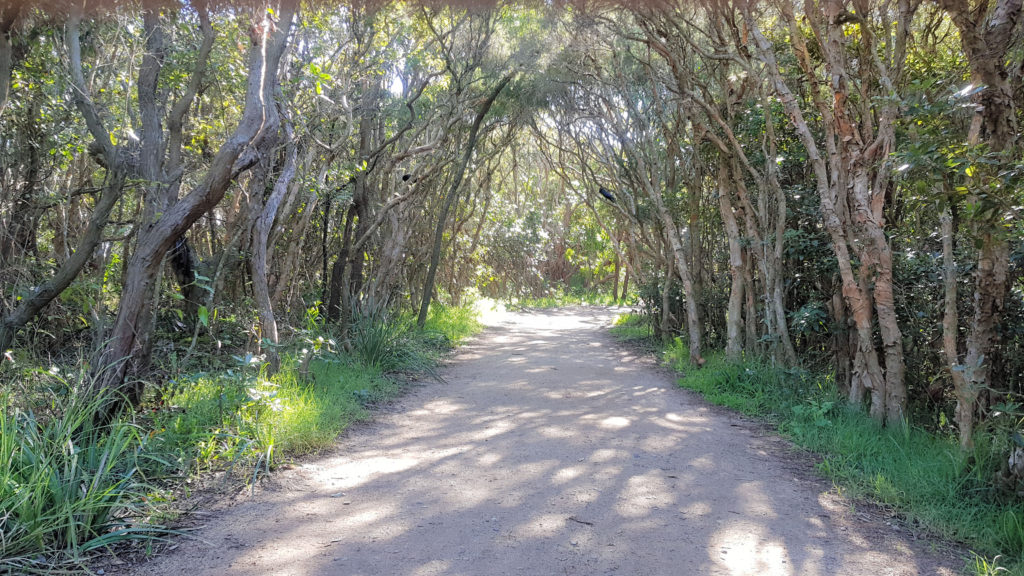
(925, 477)
(455, 324)
(67, 486)
(217, 421)
(632, 327)
(242, 416)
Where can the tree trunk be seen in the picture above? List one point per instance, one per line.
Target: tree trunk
(966, 395)
(69, 270)
(449, 199)
(259, 249)
(125, 345)
(673, 236)
(665, 327)
(851, 205)
(987, 37)
(734, 315)
(294, 251)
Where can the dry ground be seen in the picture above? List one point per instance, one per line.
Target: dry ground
(553, 450)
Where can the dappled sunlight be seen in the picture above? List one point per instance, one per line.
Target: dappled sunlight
(500, 471)
(364, 470)
(557, 432)
(643, 493)
(489, 459)
(437, 407)
(742, 550)
(543, 526)
(607, 455)
(752, 500)
(696, 509)
(566, 474)
(432, 568)
(614, 422)
(366, 520)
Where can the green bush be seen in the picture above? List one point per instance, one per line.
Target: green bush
(923, 476)
(67, 486)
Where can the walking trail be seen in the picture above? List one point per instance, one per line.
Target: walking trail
(553, 450)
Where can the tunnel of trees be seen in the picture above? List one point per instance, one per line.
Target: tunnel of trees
(832, 185)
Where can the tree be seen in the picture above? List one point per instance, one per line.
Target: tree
(128, 345)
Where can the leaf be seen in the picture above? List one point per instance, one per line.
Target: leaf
(204, 316)
(970, 171)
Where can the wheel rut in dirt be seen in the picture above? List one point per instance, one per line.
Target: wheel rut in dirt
(551, 449)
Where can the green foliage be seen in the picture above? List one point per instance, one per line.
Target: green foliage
(223, 419)
(632, 327)
(220, 420)
(383, 342)
(562, 298)
(923, 476)
(450, 325)
(67, 487)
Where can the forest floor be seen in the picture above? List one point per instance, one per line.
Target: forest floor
(552, 449)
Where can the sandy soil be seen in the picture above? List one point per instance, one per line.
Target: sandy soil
(553, 450)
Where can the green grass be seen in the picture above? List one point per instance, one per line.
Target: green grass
(566, 299)
(923, 476)
(632, 327)
(454, 324)
(220, 420)
(223, 419)
(68, 489)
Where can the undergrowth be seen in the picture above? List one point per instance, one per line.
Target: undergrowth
(559, 300)
(69, 488)
(633, 328)
(922, 476)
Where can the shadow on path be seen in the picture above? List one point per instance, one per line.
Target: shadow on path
(552, 450)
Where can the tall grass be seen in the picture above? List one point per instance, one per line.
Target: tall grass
(450, 325)
(67, 487)
(923, 476)
(230, 420)
(633, 327)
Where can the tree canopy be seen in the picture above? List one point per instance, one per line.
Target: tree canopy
(830, 185)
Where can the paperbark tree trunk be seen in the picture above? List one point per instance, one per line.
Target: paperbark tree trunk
(734, 315)
(987, 33)
(677, 243)
(115, 361)
(966, 395)
(851, 183)
(259, 249)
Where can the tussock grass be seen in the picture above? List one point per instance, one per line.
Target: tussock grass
(922, 476)
(450, 325)
(242, 416)
(68, 488)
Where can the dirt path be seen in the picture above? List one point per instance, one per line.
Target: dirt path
(552, 450)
